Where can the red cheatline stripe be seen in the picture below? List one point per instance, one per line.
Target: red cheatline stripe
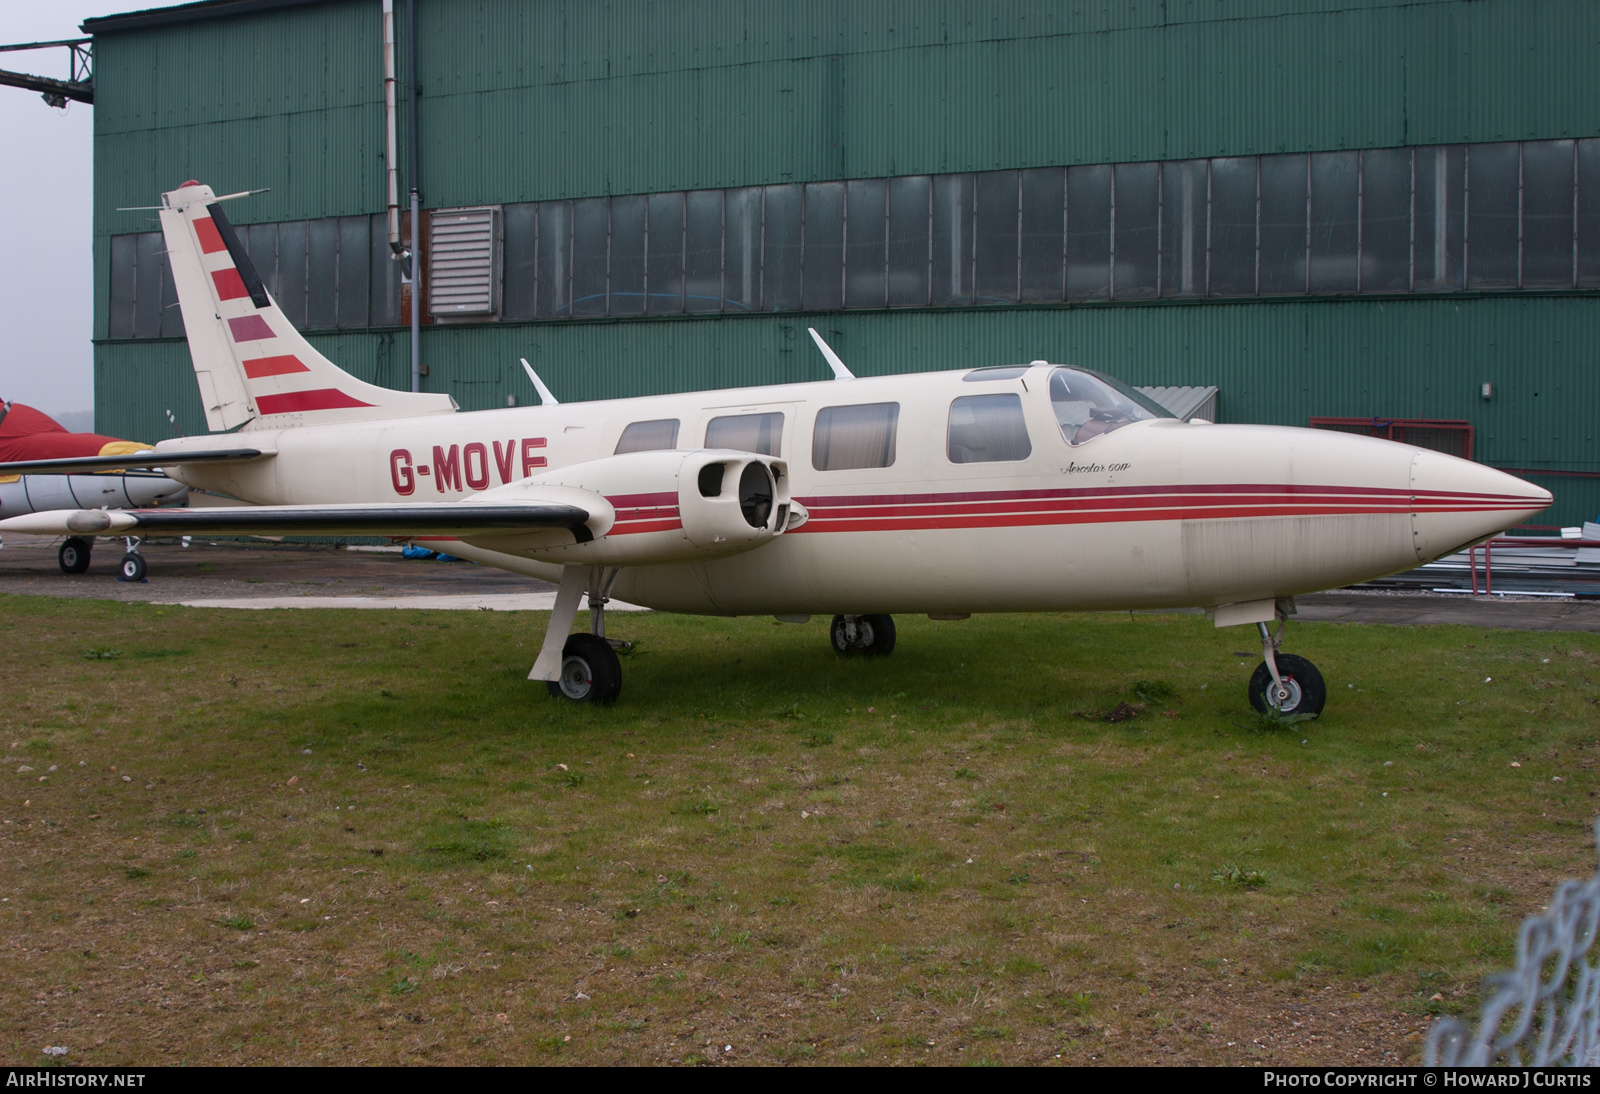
(979, 508)
(325, 398)
(230, 286)
(912, 512)
(627, 501)
(1011, 520)
(273, 366)
(645, 526)
(210, 238)
(1124, 491)
(249, 328)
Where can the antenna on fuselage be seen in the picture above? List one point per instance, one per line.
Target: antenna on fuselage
(545, 398)
(839, 371)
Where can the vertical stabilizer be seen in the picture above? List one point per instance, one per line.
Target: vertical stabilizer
(250, 362)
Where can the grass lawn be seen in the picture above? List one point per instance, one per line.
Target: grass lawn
(364, 836)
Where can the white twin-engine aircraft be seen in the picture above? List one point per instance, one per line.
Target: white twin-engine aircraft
(1021, 488)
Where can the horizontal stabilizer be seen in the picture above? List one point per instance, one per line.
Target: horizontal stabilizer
(87, 465)
(398, 521)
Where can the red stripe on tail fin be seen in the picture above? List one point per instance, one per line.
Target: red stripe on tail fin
(249, 328)
(230, 286)
(273, 366)
(210, 238)
(326, 398)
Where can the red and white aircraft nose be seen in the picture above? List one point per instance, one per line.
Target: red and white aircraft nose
(1456, 502)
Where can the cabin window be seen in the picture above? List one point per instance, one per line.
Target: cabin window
(1087, 404)
(849, 437)
(651, 436)
(761, 433)
(988, 429)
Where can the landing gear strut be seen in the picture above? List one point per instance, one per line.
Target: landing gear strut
(862, 635)
(581, 667)
(1284, 682)
(74, 555)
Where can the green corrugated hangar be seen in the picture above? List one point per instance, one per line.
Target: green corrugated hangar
(1363, 214)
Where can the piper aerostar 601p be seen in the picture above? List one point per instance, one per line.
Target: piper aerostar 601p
(1022, 488)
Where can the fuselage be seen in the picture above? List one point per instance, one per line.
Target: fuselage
(941, 518)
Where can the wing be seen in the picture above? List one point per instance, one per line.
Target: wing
(86, 465)
(400, 521)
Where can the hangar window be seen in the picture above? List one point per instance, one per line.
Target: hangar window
(988, 429)
(849, 437)
(1135, 230)
(591, 232)
(1041, 268)
(1089, 233)
(655, 436)
(761, 433)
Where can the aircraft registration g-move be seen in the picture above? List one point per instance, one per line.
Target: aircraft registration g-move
(1022, 488)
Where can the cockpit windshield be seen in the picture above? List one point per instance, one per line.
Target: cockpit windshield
(1088, 403)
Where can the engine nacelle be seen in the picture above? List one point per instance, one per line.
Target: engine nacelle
(658, 507)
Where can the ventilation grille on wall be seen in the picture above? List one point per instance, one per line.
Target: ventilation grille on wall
(463, 262)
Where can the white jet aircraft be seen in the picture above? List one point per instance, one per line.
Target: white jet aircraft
(1023, 488)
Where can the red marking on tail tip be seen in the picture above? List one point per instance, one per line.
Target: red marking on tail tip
(210, 239)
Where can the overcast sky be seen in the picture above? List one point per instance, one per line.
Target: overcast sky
(46, 185)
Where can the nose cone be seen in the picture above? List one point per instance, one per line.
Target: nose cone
(1456, 502)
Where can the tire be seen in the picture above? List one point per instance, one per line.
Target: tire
(132, 568)
(1307, 693)
(74, 555)
(874, 636)
(590, 671)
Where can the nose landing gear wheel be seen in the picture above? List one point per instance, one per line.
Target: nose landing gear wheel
(590, 671)
(862, 635)
(1306, 692)
(132, 567)
(74, 555)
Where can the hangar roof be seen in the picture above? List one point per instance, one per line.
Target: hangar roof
(183, 13)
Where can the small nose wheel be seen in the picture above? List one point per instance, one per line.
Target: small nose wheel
(1299, 689)
(74, 555)
(133, 567)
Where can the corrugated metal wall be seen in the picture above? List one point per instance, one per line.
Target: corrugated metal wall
(571, 98)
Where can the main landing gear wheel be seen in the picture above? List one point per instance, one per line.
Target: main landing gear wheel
(74, 555)
(1303, 689)
(862, 635)
(132, 567)
(590, 671)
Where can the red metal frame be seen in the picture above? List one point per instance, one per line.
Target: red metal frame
(1514, 541)
(1449, 435)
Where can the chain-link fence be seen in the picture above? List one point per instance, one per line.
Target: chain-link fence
(1546, 1011)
